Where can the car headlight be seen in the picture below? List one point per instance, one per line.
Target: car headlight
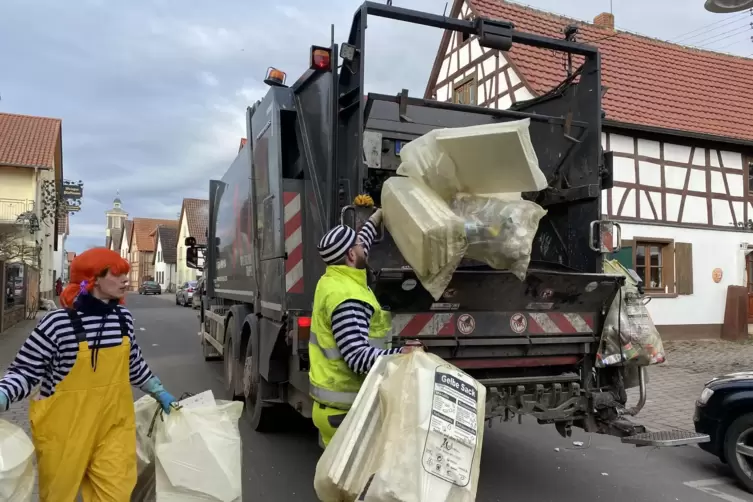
(705, 396)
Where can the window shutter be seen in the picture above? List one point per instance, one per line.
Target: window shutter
(624, 255)
(684, 267)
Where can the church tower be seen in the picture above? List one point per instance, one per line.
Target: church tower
(116, 218)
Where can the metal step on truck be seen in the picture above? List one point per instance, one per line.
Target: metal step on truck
(316, 144)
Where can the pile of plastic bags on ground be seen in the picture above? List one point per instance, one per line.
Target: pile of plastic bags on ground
(460, 197)
(192, 454)
(414, 434)
(629, 337)
(16, 464)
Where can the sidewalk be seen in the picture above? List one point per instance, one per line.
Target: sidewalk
(674, 386)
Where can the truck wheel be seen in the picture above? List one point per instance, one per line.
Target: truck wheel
(738, 448)
(263, 417)
(232, 377)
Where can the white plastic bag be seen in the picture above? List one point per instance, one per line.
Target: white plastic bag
(146, 422)
(414, 434)
(198, 452)
(500, 229)
(16, 464)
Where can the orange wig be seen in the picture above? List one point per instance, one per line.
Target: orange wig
(89, 265)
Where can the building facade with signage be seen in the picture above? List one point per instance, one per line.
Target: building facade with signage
(679, 122)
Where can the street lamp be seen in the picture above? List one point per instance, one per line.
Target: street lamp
(728, 6)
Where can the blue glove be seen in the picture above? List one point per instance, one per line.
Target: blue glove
(154, 388)
(4, 402)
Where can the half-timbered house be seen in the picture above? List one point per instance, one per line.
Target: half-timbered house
(680, 124)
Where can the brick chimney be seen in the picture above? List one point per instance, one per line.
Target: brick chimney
(605, 20)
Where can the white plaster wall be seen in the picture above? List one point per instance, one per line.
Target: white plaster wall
(711, 249)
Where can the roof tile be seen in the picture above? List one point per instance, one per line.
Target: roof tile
(651, 82)
(143, 228)
(28, 141)
(197, 216)
(168, 236)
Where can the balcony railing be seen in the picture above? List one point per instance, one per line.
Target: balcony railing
(13, 210)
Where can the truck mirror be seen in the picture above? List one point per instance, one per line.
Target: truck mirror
(192, 257)
(190, 241)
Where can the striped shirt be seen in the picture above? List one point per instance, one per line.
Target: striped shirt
(49, 353)
(351, 320)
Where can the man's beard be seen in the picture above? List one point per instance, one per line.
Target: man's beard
(360, 262)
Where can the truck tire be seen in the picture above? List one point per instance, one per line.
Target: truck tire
(232, 368)
(263, 417)
(740, 431)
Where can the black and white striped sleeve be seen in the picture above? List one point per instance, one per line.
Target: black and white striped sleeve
(367, 234)
(139, 371)
(350, 326)
(32, 361)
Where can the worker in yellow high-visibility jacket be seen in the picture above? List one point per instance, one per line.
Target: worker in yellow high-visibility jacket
(349, 331)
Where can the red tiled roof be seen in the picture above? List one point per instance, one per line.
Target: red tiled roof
(143, 228)
(196, 212)
(651, 83)
(28, 141)
(128, 233)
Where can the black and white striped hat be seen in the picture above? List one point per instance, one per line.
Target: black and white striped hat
(336, 243)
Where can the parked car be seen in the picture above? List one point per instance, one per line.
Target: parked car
(724, 411)
(196, 301)
(150, 288)
(184, 295)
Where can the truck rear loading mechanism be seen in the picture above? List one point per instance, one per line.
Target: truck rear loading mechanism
(316, 144)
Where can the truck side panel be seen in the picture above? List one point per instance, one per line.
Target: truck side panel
(230, 231)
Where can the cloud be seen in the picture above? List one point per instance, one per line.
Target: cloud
(153, 94)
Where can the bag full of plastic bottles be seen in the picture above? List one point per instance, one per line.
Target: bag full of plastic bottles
(500, 229)
(629, 336)
(414, 434)
(17, 474)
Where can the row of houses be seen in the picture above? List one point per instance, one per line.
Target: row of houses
(680, 123)
(155, 247)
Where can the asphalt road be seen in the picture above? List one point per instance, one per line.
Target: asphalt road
(519, 462)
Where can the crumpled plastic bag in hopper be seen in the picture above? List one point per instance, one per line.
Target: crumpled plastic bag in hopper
(429, 235)
(17, 474)
(500, 230)
(414, 434)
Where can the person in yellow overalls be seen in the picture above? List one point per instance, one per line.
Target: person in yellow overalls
(85, 359)
(349, 331)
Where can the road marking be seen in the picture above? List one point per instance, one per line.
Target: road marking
(707, 486)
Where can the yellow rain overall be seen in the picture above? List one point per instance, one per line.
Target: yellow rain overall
(85, 433)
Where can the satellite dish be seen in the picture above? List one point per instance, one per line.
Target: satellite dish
(728, 6)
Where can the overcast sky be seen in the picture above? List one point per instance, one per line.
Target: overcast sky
(152, 93)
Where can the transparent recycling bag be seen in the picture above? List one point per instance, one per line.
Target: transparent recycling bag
(147, 417)
(414, 434)
(629, 337)
(500, 229)
(17, 473)
(195, 452)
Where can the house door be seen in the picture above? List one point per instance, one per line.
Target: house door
(749, 276)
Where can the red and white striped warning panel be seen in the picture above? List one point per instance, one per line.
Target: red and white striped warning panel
(490, 324)
(293, 242)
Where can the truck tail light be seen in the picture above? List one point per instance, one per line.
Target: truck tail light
(320, 58)
(304, 329)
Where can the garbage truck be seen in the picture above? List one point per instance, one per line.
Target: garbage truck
(314, 145)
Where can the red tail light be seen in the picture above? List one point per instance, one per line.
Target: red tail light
(304, 329)
(190, 290)
(320, 58)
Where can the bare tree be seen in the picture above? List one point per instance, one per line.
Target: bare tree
(15, 248)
